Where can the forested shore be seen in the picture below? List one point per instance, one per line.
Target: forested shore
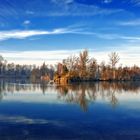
(80, 68)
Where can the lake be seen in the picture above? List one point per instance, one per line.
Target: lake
(87, 111)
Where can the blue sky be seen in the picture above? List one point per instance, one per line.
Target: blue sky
(34, 31)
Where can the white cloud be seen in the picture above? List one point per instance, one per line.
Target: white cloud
(37, 57)
(21, 34)
(107, 1)
(128, 55)
(26, 22)
(73, 29)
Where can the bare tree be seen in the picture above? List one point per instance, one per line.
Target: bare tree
(83, 60)
(71, 62)
(113, 60)
(93, 66)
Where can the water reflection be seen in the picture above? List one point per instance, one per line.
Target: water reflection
(42, 111)
(82, 94)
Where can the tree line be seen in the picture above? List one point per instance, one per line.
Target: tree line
(73, 69)
(83, 68)
(33, 72)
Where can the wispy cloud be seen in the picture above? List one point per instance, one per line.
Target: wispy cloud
(62, 1)
(28, 12)
(107, 36)
(54, 8)
(135, 2)
(130, 23)
(21, 34)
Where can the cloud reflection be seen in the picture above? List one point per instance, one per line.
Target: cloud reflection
(26, 120)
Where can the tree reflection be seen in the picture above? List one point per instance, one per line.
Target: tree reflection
(81, 94)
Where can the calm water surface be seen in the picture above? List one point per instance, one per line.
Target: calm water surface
(100, 111)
